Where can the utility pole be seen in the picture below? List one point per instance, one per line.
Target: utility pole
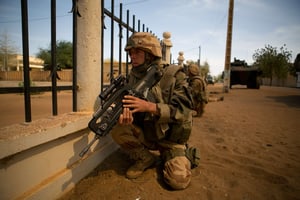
(228, 48)
(199, 56)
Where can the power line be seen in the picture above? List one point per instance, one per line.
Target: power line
(33, 19)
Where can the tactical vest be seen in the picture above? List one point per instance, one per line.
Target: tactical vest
(174, 132)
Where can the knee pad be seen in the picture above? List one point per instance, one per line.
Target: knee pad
(177, 172)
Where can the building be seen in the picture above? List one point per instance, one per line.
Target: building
(15, 63)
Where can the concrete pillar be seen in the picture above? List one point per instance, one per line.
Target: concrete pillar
(167, 45)
(88, 53)
(180, 58)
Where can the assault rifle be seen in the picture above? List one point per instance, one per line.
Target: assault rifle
(107, 115)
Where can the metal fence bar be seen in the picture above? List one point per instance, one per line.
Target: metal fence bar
(24, 10)
(114, 19)
(53, 57)
(27, 89)
(120, 39)
(39, 89)
(102, 44)
(74, 53)
(133, 23)
(112, 41)
(127, 36)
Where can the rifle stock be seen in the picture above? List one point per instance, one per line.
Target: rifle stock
(107, 115)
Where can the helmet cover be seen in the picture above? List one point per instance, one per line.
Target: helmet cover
(146, 42)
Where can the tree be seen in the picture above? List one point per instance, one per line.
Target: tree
(272, 62)
(7, 49)
(45, 54)
(63, 55)
(204, 69)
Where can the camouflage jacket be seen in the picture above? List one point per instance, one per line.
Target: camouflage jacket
(174, 102)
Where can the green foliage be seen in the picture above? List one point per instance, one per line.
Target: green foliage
(64, 55)
(273, 62)
(32, 84)
(204, 69)
(45, 54)
(21, 84)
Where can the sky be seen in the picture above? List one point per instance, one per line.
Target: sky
(198, 27)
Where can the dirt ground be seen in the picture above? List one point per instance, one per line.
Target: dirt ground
(249, 145)
(41, 106)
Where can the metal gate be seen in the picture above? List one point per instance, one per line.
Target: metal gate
(128, 24)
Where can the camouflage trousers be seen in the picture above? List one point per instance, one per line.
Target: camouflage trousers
(199, 108)
(177, 169)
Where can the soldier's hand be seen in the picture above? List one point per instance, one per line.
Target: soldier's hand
(126, 117)
(136, 104)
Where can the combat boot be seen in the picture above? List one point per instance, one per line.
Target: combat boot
(143, 160)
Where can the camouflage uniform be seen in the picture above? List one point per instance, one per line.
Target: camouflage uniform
(198, 87)
(168, 132)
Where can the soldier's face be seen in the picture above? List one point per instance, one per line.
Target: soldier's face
(137, 57)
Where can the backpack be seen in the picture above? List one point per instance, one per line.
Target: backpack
(168, 86)
(167, 81)
(200, 97)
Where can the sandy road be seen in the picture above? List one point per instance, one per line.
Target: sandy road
(12, 106)
(249, 146)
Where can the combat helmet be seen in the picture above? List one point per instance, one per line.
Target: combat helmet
(193, 69)
(146, 42)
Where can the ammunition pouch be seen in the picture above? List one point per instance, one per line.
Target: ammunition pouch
(152, 131)
(179, 133)
(193, 154)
